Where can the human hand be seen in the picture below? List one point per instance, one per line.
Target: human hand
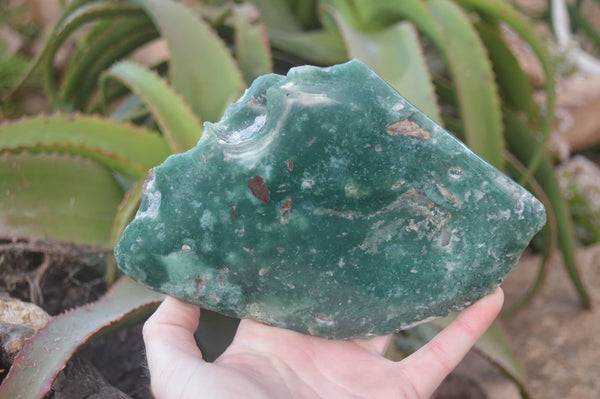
(270, 362)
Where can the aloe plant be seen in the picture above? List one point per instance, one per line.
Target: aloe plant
(43, 357)
(448, 57)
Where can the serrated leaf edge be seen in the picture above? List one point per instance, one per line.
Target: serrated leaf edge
(28, 346)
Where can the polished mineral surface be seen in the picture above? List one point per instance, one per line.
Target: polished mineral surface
(324, 202)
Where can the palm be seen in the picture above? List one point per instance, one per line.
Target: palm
(268, 362)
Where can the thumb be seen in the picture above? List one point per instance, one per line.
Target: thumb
(171, 349)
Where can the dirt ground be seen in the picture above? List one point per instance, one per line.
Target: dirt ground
(557, 341)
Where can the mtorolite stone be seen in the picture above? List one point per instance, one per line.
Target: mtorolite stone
(325, 203)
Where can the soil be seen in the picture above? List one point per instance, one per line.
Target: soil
(555, 337)
(54, 276)
(59, 278)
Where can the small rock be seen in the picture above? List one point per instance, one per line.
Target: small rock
(18, 321)
(15, 311)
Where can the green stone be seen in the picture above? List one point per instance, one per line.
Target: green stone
(326, 203)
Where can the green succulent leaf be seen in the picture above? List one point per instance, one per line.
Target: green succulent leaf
(317, 46)
(346, 10)
(516, 87)
(201, 68)
(306, 13)
(109, 41)
(396, 55)
(538, 280)
(49, 350)
(474, 81)
(72, 6)
(57, 197)
(125, 148)
(378, 13)
(81, 15)
(521, 140)
(125, 213)
(251, 43)
(276, 14)
(320, 47)
(176, 120)
(131, 108)
(505, 12)
(546, 238)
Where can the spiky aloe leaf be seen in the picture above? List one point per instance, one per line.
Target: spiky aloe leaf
(67, 10)
(80, 16)
(520, 140)
(204, 73)
(474, 81)
(127, 105)
(306, 13)
(515, 86)
(57, 197)
(378, 13)
(317, 46)
(176, 120)
(396, 55)
(109, 41)
(125, 213)
(48, 351)
(547, 238)
(321, 47)
(251, 43)
(122, 48)
(277, 15)
(131, 108)
(125, 148)
(538, 280)
(504, 11)
(127, 209)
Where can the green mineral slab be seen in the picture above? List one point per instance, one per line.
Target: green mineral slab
(326, 203)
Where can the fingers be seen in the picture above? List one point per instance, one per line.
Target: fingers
(169, 340)
(173, 324)
(427, 368)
